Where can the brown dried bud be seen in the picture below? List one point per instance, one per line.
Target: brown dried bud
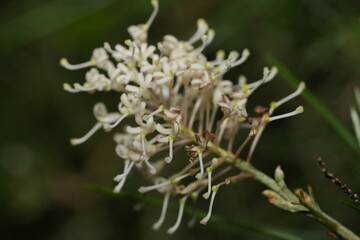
(260, 110)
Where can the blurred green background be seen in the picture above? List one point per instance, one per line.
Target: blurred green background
(42, 175)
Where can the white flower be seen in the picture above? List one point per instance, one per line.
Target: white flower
(139, 32)
(143, 52)
(167, 136)
(235, 107)
(94, 81)
(144, 84)
(171, 94)
(98, 59)
(103, 117)
(120, 53)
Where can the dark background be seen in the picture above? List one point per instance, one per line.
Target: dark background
(42, 175)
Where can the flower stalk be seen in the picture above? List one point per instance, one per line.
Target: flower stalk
(298, 201)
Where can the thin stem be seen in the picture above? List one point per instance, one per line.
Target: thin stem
(255, 142)
(331, 223)
(243, 145)
(288, 195)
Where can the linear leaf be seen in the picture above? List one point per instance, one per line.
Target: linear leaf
(353, 204)
(216, 222)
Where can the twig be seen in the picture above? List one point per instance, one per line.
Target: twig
(280, 195)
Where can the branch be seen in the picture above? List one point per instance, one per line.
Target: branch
(281, 196)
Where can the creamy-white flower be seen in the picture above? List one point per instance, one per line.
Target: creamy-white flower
(170, 95)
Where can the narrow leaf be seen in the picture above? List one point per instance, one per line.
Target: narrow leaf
(216, 222)
(353, 204)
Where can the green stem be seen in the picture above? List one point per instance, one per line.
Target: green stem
(246, 167)
(331, 223)
(267, 181)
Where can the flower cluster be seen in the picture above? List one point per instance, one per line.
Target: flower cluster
(175, 96)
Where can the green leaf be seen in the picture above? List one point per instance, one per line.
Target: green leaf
(314, 102)
(216, 222)
(353, 204)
